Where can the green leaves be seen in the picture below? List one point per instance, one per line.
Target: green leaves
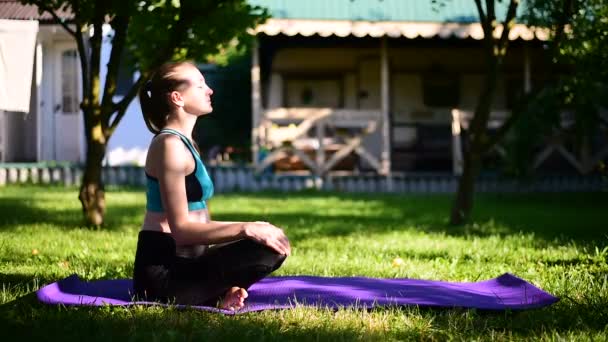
(189, 29)
(163, 30)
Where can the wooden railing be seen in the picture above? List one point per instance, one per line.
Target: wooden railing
(584, 161)
(284, 129)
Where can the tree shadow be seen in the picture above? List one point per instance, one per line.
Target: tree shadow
(10, 280)
(551, 218)
(14, 211)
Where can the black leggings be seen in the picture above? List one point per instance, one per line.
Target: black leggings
(161, 275)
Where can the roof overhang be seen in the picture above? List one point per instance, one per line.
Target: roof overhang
(15, 10)
(392, 29)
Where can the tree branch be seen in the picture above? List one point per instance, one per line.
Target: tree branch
(482, 15)
(502, 130)
(562, 21)
(491, 14)
(121, 107)
(96, 42)
(186, 16)
(486, 25)
(120, 24)
(176, 35)
(82, 52)
(60, 21)
(506, 27)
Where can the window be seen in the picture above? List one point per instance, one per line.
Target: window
(70, 101)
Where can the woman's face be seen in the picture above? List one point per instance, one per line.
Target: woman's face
(197, 97)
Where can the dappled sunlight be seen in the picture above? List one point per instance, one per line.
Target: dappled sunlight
(560, 248)
(59, 207)
(318, 214)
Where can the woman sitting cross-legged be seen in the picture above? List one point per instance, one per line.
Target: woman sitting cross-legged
(182, 256)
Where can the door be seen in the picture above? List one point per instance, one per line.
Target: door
(68, 139)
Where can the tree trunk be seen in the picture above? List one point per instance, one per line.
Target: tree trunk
(478, 139)
(463, 202)
(92, 195)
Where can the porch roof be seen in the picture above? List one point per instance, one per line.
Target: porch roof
(392, 29)
(461, 11)
(377, 18)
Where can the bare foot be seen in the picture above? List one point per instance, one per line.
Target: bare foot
(234, 299)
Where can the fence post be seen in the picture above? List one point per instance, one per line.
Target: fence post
(23, 175)
(2, 176)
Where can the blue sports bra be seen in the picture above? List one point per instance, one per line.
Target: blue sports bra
(199, 187)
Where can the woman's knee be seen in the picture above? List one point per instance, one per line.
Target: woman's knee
(279, 259)
(266, 255)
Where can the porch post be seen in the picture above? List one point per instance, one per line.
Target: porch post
(320, 154)
(527, 79)
(37, 106)
(2, 137)
(457, 160)
(256, 102)
(385, 91)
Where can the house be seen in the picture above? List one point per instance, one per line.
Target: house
(40, 93)
(364, 85)
(392, 83)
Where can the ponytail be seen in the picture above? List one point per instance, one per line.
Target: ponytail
(153, 121)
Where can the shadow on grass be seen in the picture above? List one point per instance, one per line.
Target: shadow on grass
(9, 280)
(553, 218)
(14, 211)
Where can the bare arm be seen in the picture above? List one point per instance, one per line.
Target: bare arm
(171, 169)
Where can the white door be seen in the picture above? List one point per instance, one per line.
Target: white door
(66, 109)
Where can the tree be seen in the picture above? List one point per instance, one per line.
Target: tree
(580, 40)
(495, 45)
(152, 32)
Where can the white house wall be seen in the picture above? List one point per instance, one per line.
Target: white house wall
(36, 136)
(57, 139)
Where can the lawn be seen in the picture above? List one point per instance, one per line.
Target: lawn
(558, 242)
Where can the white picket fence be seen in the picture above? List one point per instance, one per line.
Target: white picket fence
(231, 179)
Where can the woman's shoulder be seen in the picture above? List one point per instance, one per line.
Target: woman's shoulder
(169, 150)
(163, 142)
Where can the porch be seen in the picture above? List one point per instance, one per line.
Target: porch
(376, 100)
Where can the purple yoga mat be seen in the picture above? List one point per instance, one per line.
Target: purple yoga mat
(504, 292)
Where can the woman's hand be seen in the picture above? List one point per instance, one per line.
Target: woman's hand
(269, 235)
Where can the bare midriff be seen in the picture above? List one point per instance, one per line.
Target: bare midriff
(158, 222)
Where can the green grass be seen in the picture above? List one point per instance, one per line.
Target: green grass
(556, 241)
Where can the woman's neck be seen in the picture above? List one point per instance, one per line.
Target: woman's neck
(185, 127)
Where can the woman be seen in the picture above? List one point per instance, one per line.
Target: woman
(183, 256)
